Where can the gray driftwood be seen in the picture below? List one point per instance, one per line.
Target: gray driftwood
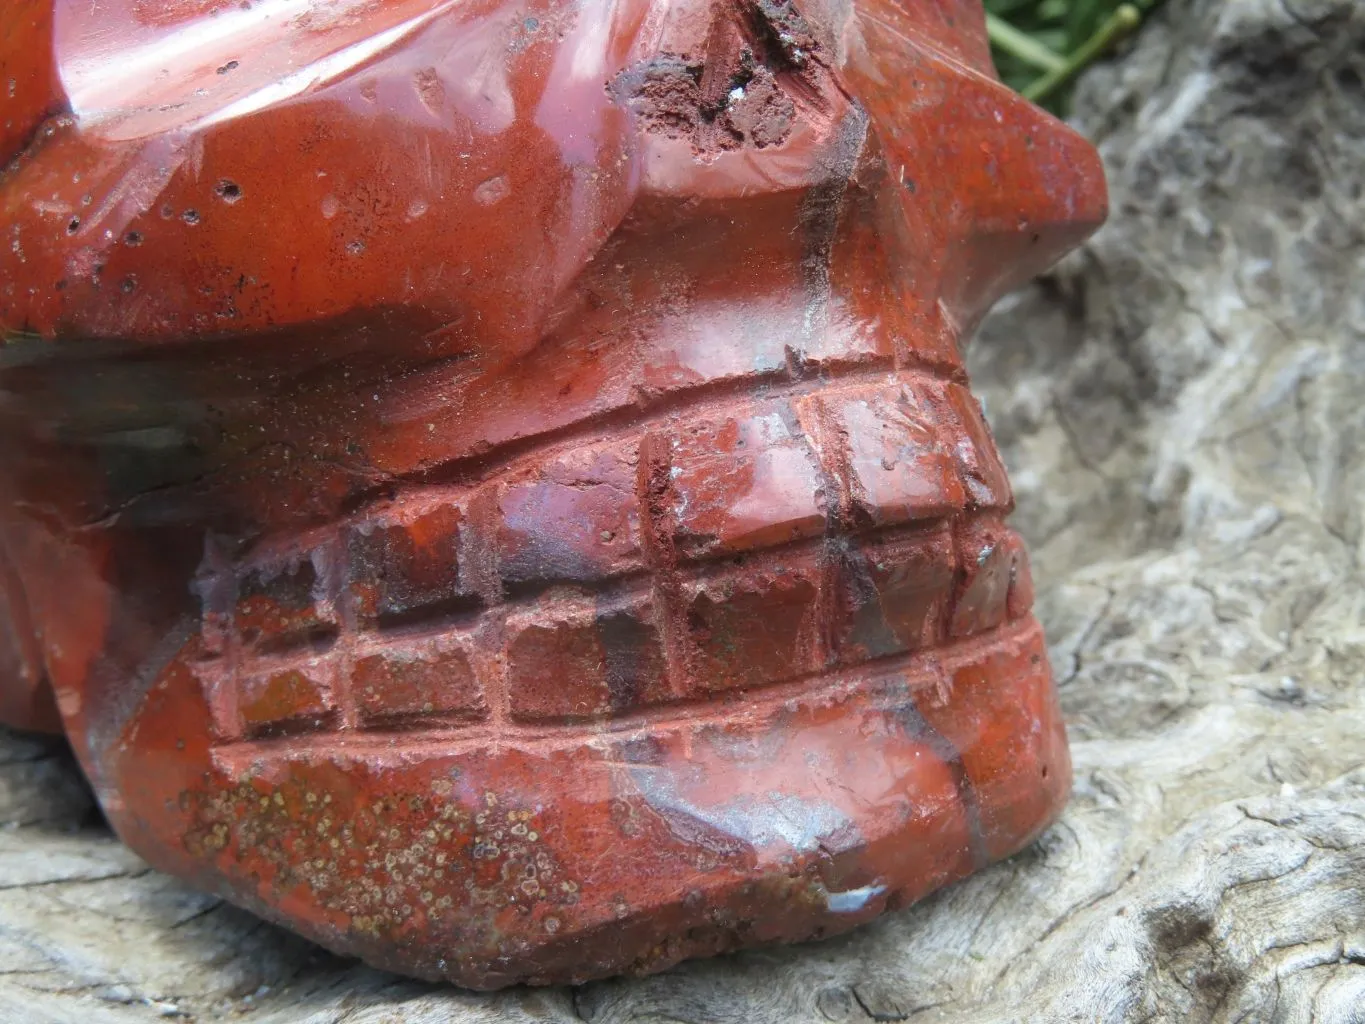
(1183, 408)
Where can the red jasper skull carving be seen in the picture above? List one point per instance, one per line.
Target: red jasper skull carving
(492, 483)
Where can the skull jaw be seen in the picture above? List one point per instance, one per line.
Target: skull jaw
(577, 854)
(756, 669)
(753, 664)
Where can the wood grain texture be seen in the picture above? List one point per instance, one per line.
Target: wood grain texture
(1179, 406)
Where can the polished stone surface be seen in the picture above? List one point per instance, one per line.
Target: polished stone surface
(493, 486)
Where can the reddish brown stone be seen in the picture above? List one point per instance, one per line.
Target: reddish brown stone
(897, 464)
(26, 699)
(994, 578)
(277, 606)
(755, 625)
(284, 700)
(1008, 732)
(402, 683)
(893, 595)
(585, 661)
(408, 567)
(978, 463)
(528, 525)
(1020, 601)
(574, 519)
(739, 484)
(30, 92)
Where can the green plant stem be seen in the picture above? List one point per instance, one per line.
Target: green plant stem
(1025, 47)
(1125, 18)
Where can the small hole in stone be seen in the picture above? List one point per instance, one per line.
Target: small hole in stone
(73, 225)
(229, 66)
(190, 216)
(132, 239)
(229, 191)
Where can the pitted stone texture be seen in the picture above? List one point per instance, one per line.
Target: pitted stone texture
(395, 684)
(276, 702)
(277, 606)
(747, 627)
